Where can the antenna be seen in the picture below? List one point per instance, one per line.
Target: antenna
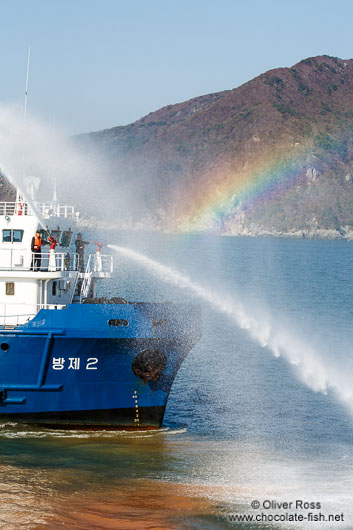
(27, 77)
(55, 199)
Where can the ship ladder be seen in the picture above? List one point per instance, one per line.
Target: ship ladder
(87, 280)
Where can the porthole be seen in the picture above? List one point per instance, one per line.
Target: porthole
(4, 346)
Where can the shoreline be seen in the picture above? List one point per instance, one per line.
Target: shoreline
(318, 233)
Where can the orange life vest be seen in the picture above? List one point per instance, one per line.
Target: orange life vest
(37, 243)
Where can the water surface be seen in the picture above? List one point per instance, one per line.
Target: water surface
(241, 424)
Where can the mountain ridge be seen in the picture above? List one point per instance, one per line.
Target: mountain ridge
(184, 155)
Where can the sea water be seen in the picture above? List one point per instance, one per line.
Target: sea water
(244, 422)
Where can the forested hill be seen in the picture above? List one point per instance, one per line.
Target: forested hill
(296, 122)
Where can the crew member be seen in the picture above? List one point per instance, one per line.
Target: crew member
(67, 260)
(36, 247)
(80, 249)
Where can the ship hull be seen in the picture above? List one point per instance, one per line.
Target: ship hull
(95, 366)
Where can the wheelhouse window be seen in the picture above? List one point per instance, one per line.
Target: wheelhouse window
(56, 234)
(43, 233)
(17, 236)
(6, 236)
(10, 288)
(66, 238)
(12, 236)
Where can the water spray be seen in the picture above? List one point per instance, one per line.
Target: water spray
(278, 340)
(33, 208)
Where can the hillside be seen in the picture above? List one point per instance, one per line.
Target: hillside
(7, 190)
(273, 155)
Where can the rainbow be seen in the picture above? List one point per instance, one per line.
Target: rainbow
(228, 192)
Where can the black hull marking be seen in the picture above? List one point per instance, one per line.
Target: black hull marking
(108, 419)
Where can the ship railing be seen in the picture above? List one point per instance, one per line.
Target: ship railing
(15, 314)
(15, 208)
(44, 209)
(17, 260)
(51, 209)
(98, 265)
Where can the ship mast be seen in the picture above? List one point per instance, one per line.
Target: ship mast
(19, 198)
(27, 78)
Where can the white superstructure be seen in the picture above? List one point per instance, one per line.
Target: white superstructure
(24, 291)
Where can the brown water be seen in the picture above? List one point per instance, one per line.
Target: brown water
(168, 480)
(97, 481)
(131, 504)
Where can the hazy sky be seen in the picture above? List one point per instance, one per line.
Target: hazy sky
(96, 64)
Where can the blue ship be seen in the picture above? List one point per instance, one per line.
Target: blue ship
(67, 358)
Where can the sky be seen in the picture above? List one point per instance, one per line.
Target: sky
(97, 64)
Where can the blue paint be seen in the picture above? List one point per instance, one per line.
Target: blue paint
(71, 361)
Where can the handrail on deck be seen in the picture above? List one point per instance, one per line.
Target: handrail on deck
(45, 209)
(18, 260)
